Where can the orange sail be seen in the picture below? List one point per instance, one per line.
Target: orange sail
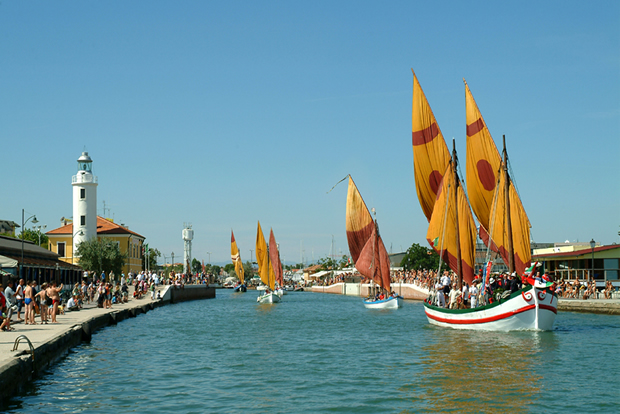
(365, 244)
(265, 270)
(430, 153)
(274, 255)
(445, 233)
(483, 162)
(236, 257)
(513, 232)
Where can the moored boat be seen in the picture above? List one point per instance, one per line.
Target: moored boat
(265, 269)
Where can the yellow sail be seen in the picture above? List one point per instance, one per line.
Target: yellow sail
(483, 162)
(236, 258)
(430, 153)
(443, 226)
(265, 270)
(518, 229)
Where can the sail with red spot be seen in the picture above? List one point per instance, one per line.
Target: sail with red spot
(430, 153)
(486, 177)
(365, 243)
(452, 230)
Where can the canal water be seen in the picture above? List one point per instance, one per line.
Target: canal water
(318, 352)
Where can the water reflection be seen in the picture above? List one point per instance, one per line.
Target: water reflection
(468, 371)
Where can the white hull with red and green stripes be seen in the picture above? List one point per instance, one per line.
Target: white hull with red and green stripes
(527, 309)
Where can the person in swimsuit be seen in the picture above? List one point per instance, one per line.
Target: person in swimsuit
(54, 293)
(29, 302)
(43, 299)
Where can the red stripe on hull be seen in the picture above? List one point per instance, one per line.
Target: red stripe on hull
(482, 320)
(549, 308)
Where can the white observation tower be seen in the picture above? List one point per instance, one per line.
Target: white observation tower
(84, 202)
(188, 235)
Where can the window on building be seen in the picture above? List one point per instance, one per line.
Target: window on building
(61, 249)
(83, 220)
(82, 193)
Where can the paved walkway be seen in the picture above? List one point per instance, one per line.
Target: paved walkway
(40, 334)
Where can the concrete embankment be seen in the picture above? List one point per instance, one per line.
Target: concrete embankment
(40, 346)
(602, 306)
(406, 290)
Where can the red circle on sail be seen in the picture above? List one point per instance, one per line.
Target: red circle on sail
(486, 175)
(434, 179)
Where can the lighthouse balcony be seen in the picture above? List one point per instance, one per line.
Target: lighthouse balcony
(84, 178)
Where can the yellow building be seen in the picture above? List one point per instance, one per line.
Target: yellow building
(129, 242)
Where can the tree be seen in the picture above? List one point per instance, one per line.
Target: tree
(248, 270)
(101, 255)
(215, 270)
(33, 236)
(326, 263)
(419, 257)
(196, 266)
(230, 269)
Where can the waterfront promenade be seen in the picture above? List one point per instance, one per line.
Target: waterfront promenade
(51, 341)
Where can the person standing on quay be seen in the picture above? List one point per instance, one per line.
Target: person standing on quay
(19, 296)
(42, 295)
(29, 302)
(54, 293)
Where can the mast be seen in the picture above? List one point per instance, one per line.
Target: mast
(511, 253)
(459, 265)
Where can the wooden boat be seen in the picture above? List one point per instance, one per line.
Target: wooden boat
(236, 259)
(367, 249)
(504, 227)
(274, 256)
(265, 270)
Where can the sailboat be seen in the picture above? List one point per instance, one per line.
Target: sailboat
(367, 249)
(274, 256)
(265, 270)
(504, 227)
(236, 259)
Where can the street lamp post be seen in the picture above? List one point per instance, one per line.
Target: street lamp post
(38, 229)
(209, 253)
(172, 262)
(592, 244)
(34, 221)
(251, 256)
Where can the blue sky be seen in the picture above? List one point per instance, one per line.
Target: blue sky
(224, 113)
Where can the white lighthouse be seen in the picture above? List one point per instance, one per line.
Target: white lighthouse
(84, 202)
(188, 235)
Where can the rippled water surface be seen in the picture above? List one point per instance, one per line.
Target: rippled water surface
(326, 353)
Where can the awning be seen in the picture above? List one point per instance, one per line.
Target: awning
(7, 262)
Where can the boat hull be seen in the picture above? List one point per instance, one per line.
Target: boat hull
(389, 303)
(527, 309)
(240, 288)
(268, 298)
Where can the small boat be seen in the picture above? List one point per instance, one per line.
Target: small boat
(261, 287)
(236, 259)
(367, 249)
(391, 302)
(269, 297)
(504, 226)
(298, 289)
(265, 269)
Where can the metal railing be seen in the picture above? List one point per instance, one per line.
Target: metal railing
(16, 344)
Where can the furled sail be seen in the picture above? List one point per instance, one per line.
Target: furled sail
(513, 231)
(430, 153)
(265, 270)
(445, 233)
(274, 255)
(236, 257)
(365, 244)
